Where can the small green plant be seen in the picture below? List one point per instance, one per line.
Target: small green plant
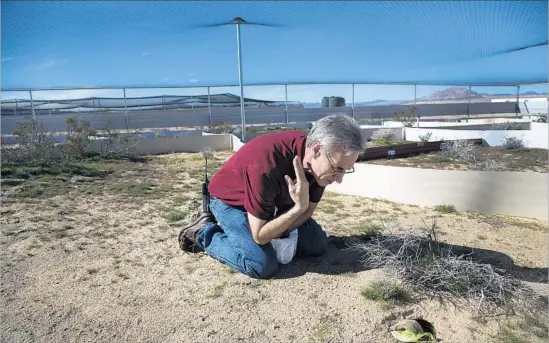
(92, 270)
(387, 292)
(372, 230)
(217, 291)
(507, 335)
(134, 188)
(175, 216)
(445, 208)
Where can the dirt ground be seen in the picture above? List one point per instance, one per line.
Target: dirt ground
(93, 257)
(518, 160)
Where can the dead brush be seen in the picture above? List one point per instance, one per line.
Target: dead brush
(431, 268)
(460, 150)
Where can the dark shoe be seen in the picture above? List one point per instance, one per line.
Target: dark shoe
(187, 235)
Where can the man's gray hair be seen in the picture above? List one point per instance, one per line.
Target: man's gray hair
(337, 131)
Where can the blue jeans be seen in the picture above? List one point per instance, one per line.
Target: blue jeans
(230, 242)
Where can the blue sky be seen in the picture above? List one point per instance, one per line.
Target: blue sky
(122, 43)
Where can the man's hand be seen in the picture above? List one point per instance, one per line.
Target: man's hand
(299, 189)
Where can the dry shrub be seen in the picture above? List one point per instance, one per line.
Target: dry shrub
(383, 136)
(38, 147)
(431, 268)
(460, 150)
(219, 126)
(34, 144)
(426, 137)
(541, 118)
(490, 165)
(513, 143)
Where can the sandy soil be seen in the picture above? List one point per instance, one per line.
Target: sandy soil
(96, 260)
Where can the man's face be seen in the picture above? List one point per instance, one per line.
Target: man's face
(331, 167)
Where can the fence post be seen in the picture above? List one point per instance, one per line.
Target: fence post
(469, 103)
(517, 109)
(209, 106)
(32, 105)
(286, 102)
(353, 101)
(126, 111)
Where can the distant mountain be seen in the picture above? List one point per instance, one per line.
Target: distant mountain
(529, 93)
(454, 93)
(497, 94)
(532, 93)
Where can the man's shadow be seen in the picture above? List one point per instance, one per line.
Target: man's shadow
(340, 259)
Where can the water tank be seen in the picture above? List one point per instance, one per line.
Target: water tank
(336, 101)
(325, 102)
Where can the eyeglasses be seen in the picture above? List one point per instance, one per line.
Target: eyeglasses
(338, 169)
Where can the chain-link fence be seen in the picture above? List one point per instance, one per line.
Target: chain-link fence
(154, 108)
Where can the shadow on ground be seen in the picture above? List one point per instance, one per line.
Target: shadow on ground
(339, 260)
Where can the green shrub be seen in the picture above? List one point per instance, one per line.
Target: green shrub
(385, 291)
(445, 208)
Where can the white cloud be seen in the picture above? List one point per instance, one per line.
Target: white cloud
(193, 80)
(49, 63)
(11, 58)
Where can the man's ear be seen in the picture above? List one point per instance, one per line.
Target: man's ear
(316, 149)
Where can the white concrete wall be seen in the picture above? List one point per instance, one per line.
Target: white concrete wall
(511, 193)
(536, 137)
(539, 135)
(412, 134)
(236, 143)
(154, 146)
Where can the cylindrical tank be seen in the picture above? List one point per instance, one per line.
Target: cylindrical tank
(334, 101)
(325, 102)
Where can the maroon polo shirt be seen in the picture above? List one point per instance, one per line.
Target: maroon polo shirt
(253, 178)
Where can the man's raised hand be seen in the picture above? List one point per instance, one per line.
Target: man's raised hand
(299, 189)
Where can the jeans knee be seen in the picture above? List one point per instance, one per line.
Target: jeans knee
(263, 269)
(318, 246)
